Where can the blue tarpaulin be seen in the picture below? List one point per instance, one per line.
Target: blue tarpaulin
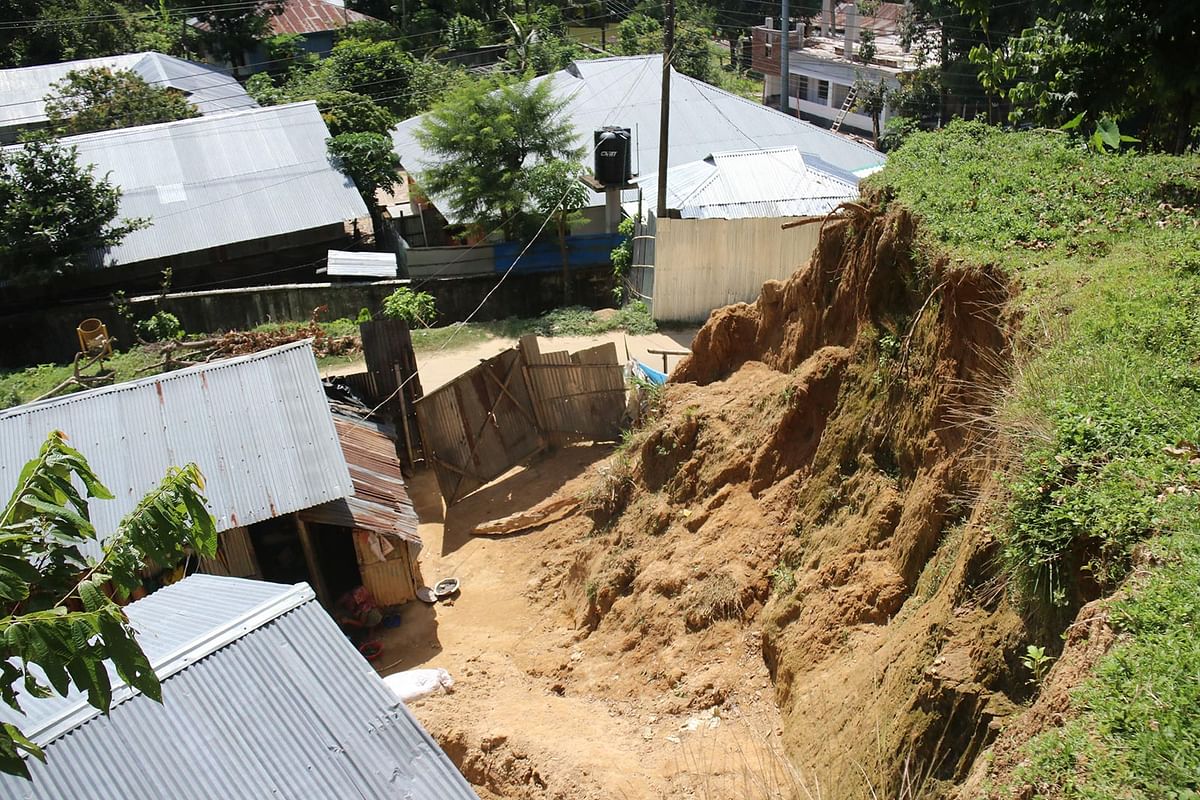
(649, 373)
(584, 250)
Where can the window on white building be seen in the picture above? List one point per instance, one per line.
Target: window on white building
(823, 91)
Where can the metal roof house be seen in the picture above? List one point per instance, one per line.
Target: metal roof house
(24, 89)
(262, 697)
(295, 495)
(228, 197)
(723, 236)
(626, 92)
(748, 183)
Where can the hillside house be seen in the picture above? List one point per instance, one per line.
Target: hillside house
(234, 198)
(298, 493)
(210, 89)
(262, 697)
(723, 236)
(626, 92)
(316, 22)
(825, 61)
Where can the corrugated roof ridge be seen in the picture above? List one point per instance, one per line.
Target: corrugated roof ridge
(264, 613)
(125, 386)
(816, 128)
(203, 119)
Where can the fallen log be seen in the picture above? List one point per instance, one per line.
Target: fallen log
(544, 512)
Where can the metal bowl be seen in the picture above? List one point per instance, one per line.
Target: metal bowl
(445, 587)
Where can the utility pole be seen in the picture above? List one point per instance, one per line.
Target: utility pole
(664, 120)
(785, 23)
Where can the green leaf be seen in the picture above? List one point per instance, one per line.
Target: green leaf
(1074, 123)
(11, 761)
(24, 743)
(1109, 133)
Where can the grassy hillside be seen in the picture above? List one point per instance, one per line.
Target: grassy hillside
(1101, 423)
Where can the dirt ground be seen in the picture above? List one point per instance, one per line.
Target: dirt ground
(438, 367)
(539, 708)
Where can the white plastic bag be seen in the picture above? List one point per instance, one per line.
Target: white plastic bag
(413, 684)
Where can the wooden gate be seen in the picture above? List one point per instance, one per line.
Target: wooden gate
(511, 406)
(479, 426)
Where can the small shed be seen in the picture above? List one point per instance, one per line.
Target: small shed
(288, 485)
(263, 696)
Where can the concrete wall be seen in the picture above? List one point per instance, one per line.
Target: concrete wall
(704, 264)
(48, 334)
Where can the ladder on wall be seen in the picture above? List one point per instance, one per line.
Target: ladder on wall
(847, 104)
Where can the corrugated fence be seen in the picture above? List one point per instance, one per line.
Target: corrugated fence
(704, 264)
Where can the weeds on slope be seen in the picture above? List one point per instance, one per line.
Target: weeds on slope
(1104, 415)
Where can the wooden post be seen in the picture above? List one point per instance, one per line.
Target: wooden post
(310, 559)
(412, 458)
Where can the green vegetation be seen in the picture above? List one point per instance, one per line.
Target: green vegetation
(60, 613)
(99, 99)
(39, 183)
(1104, 417)
(483, 136)
(415, 308)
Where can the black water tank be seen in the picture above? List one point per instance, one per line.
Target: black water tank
(612, 156)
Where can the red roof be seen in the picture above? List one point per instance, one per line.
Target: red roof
(314, 16)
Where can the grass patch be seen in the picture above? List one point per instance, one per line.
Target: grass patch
(1104, 415)
(22, 385)
(714, 598)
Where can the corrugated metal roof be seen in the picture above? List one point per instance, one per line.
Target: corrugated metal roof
(258, 426)
(749, 183)
(223, 179)
(267, 699)
(704, 119)
(210, 89)
(380, 501)
(363, 265)
(314, 16)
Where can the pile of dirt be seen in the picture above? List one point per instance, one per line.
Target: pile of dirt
(806, 499)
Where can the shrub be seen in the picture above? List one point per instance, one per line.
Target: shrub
(412, 307)
(160, 327)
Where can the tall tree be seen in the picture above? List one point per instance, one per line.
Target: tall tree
(55, 215)
(483, 138)
(59, 615)
(100, 99)
(558, 195)
(370, 161)
(232, 29)
(1134, 60)
(49, 31)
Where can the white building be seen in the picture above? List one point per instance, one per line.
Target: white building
(825, 61)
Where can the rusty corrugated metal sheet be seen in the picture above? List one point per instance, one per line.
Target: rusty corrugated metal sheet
(380, 501)
(314, 16)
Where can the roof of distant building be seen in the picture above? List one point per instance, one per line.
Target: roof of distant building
(210, 89)
(749, 183)
(258, 426)
(263, 696)
(220, 180)
(626, 92)
(314, 16)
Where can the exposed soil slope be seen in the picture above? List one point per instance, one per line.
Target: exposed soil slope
(811, 481)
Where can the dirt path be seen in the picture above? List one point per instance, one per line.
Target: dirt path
(438, 367)
(510, 643)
